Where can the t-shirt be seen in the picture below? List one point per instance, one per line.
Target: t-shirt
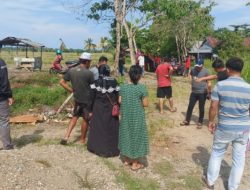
(57, 60)
(199, 87)
(81, 79)
(161, 72)
(188, 62)
(222, 75)
(95, 72)
(141, 60)
(233, 95)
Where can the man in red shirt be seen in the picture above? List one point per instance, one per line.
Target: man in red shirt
(187, 66)
(163, 73)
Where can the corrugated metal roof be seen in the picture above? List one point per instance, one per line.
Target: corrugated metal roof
(12, 41)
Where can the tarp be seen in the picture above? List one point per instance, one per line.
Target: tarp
(12, 41)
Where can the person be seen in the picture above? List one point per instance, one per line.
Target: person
(133, 134)
(104, 128)
(121, 64)
(219, 68)
(230, 100)
(81, 79)
(141, 60)
(163, 74)
(200, 91)
(6, 101)
(187, 66)
(102, 61)
(57, 62)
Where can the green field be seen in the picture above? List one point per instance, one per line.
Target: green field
(48, 57)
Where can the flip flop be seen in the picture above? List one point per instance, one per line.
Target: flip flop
(184, 123)
(63, 142)
(199, 126)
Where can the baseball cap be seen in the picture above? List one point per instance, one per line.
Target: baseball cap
(199, 63)
(85, 56)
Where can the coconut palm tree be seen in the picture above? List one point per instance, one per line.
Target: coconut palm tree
(88, 44)
(103, 43)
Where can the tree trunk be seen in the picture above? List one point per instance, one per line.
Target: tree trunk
(118, 35)
(178, 47)
(130, 42)
(134, 43)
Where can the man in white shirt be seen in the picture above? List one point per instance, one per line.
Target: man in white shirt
(141, 60)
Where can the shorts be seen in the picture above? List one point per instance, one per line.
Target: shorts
(163, 92)
(81, 110)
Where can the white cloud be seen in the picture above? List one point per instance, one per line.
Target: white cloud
(229, 5)
(45, 21)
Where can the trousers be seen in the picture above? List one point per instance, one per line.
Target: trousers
(4, 125)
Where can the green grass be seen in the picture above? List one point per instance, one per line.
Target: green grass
(192, 182)
(130, 182)
(46, 142)
(83, 183)
(48, 57)
(165, 169)
(38, 90)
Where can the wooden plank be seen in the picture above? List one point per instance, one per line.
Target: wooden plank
(24, 119)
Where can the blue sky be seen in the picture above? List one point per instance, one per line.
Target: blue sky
(46, 21)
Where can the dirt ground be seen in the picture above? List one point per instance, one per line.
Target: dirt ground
(178, 155)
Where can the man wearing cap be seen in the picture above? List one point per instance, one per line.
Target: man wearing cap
(6, 101)
(200, 92)
(81, 79)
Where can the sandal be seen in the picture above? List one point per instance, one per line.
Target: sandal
(199, 125)
(137, 167)
(63, 142)
(184, 123)
(173, 110)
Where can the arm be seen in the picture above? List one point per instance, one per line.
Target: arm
(212, 114)
(5, 89)
(119, 99)
(210, 77)
(145, 102)
(64, 84)
(170, 71)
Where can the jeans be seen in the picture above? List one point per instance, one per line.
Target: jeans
(221, 141)
(4, 124)
(121, 69)
(192, 101)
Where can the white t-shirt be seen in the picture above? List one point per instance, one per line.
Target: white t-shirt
(141, 60)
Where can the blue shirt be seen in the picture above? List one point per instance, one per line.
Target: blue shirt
(233, 95)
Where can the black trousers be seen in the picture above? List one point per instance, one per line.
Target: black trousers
(192, 101)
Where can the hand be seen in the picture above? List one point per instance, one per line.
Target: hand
(10, 101)
(198, 80)
(90, 114)
(167, 76)
(212, 127)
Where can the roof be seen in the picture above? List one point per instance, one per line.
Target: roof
(200, 47)
(212, 41)
(12, 41)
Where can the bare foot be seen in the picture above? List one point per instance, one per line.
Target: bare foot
(83, 141)
(137, 166)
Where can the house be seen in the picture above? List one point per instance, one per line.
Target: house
(204, 48)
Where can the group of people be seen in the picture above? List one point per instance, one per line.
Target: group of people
(96, 94)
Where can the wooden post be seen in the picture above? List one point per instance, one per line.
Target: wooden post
(64, 103)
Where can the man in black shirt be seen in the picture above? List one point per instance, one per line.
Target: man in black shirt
(219, 67)
(6, 101)
(81, 79)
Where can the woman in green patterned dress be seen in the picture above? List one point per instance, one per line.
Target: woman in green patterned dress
(133, 134)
